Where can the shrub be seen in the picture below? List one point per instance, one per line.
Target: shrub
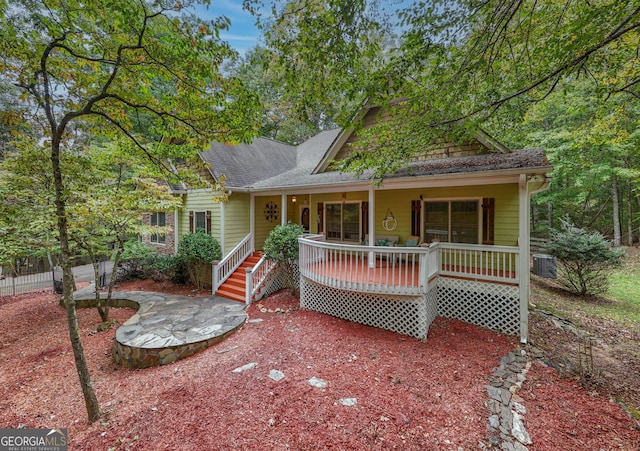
(133, 258)
(586, 259)
(198, 251)
(141, 261)
(165, 267)
(282, 246)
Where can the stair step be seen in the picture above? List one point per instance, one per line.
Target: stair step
(237, 275)
(239, 283)
(230, 295)
(234, 287)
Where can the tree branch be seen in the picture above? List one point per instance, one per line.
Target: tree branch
(618, 32)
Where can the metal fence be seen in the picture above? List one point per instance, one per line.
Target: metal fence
(36, 275)
(12, 285)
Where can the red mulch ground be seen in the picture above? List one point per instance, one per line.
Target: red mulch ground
(411, 395)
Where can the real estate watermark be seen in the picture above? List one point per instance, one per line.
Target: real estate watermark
(33, 440)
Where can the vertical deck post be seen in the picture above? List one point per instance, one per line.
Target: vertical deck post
(214, 277)
(248, 287)
(522, 267)
(372, 226)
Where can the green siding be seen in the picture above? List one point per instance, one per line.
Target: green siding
(236, 219)
(237, 211)
(399, 202)
(199, 201)
(263, 226)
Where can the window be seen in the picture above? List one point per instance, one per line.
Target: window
(200, 220)
(342, 221)
(452, 221)
(158, 220)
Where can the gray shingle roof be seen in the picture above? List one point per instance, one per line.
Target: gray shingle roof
(266, 164)
(245, 164)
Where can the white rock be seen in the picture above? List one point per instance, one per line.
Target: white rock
(349, 402)
(317, 383)
(518, 431)
(276, 375)
(522, 410)
(248, 366)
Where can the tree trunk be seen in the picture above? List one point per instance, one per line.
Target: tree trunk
(629, 214)
(549, 217)
(90, 399)
(114, 274)
(104, 313)
(617, 236)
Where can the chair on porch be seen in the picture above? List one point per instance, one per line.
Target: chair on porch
(411, 241)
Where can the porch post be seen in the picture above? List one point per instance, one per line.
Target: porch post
(222, 232)
(283, 219)
(175, 231)
(523, 256)
(252, 220)
(372, 225)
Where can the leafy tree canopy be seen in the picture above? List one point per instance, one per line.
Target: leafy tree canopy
(143, 69)
(457, 64)
(280, 119)
(593, 144)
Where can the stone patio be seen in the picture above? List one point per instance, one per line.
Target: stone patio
(167, 327)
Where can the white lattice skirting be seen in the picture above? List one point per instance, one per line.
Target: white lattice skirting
(408, 315)
(484, 304)
(494, 306)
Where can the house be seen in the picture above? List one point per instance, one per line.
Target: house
(448, 235)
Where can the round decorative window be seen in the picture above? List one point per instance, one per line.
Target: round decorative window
(271, 212)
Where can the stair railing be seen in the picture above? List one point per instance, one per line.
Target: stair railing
(222, 269)
(256, 277)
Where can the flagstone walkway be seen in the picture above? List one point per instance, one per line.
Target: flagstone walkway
(168, 327)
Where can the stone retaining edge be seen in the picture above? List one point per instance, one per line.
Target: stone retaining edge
(130, 357)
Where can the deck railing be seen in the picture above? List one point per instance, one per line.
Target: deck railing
(404, 270)
(477, 261)
(388, 270)
(225, 267)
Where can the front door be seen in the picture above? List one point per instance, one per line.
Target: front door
(304, 219)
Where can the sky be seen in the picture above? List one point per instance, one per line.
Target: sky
(242, 34)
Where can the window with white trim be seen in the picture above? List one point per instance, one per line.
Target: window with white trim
(158, 219)
(452, 221)
(342, 221)
(200, 221)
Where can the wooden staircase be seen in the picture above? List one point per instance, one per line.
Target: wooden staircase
(234, 287)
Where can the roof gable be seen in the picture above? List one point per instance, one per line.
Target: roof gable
(342, 146)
